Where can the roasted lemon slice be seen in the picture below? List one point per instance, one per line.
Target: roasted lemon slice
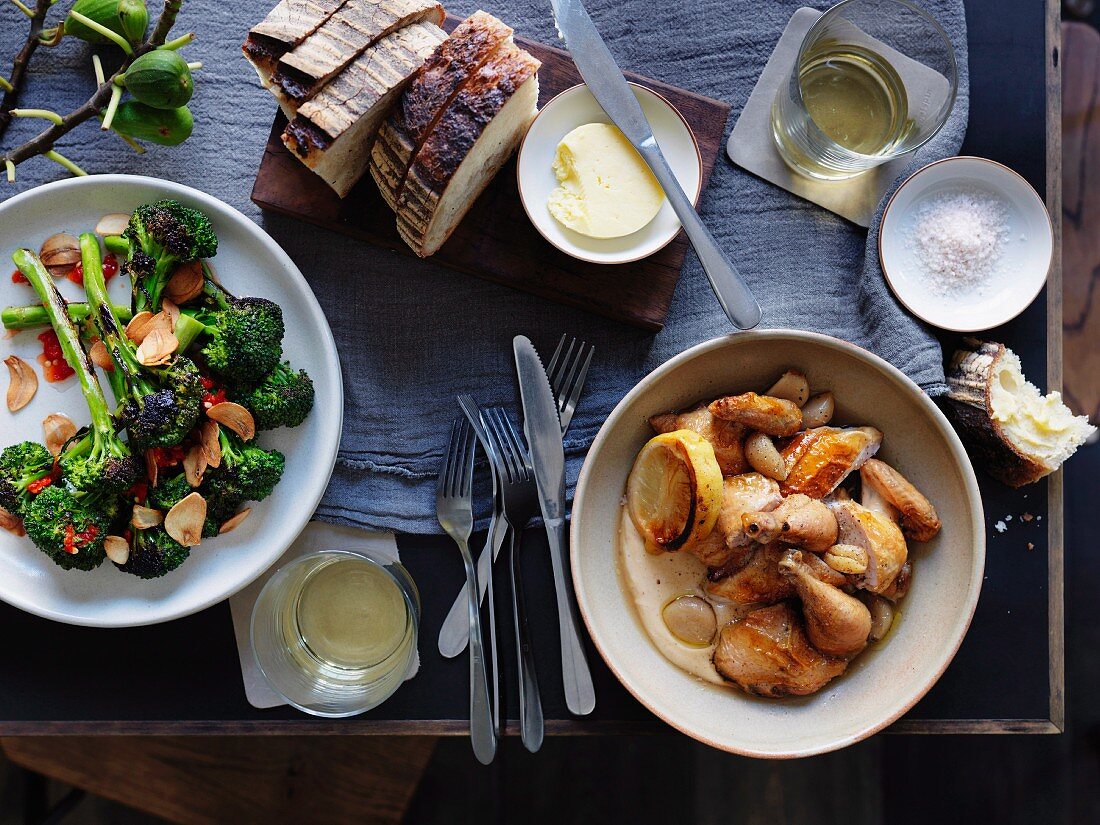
(674, 491)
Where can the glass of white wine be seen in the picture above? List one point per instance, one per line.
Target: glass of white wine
(874, 79)
(334, 632)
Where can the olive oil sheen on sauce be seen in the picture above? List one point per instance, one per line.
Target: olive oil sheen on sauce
(856, 98)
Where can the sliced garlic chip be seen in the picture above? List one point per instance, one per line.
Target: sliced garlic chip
(113, 224)
(59, 253)
(211, 443)
(186, 283)
(58, 429)
(194, 465)
(139, 326)
(11, 522)
(100, 356)
(184, 521)
(23, 384)
(232, 523)
(235, 417)
(117, 549)
(157, 348)
(144, 518)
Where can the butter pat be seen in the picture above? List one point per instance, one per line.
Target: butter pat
(605, 188)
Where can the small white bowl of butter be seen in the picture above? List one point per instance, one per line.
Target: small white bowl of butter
(580, 182)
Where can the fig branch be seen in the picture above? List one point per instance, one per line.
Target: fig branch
(13, 85)
(43, 143)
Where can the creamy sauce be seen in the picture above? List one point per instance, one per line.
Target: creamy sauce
(652, 582)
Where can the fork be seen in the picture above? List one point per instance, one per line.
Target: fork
(520, 494)
(567, 371)
(453, 506)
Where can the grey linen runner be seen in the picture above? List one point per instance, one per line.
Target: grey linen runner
(412, 334)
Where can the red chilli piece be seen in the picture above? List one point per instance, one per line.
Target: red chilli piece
(18, 277)
(36, 487)
(76, 274)
(110, 267)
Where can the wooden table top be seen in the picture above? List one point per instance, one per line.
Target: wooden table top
(184, 677)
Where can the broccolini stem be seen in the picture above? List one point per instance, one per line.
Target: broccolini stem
(31, 317)
(107, 320)
(67, 335)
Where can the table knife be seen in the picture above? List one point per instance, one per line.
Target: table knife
(606, 82)
(543, 430)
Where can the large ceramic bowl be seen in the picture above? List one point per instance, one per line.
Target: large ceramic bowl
(887, 679)
(248, 262)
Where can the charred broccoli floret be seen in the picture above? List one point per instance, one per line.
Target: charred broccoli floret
(69, 526)
(22, 467)
(153, 553)
(160, 404)
(247, 472)
(162, 236)
(283, 399)
(242, 339)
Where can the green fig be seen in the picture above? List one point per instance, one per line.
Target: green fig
(168, 127)
(127, 18)
(160, 79)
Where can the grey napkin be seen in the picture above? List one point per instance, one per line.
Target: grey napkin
(412, 334)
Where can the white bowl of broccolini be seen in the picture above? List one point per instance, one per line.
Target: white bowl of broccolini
(204, 423)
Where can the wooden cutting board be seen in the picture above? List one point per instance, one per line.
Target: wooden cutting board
(495, 240)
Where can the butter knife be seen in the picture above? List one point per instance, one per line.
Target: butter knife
(542, 427)
(606, 82)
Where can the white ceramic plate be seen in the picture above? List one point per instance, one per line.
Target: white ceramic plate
(575, 107)
(248, 262)
(884, 681)
(1019, 274)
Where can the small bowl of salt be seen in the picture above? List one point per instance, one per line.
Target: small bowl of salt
(966, 244)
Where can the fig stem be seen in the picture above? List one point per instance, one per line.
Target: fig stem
(61, 160)
(179, 42)
(23, 8)
(45, 114)
(112, 107)
(99, 28)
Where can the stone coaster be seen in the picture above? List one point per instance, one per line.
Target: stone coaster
(381, 547)
(752, 147)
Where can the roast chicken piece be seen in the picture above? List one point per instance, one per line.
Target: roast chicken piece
(726, 437)
(799, 520)
(876, 533)
(763, 413)
(727, 544)
(837, 624)
(916, 514)
(818, 460)
(769, 654)
(760, 581)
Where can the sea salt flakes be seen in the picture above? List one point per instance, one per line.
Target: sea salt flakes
(958, 236)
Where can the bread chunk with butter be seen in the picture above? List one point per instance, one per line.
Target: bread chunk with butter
(473, 138)
(473, 42)
(332, 133)
(1016, 434)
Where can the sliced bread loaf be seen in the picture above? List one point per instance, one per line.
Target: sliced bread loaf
(453, 63)
(331, 134)
(473, 138)
(341, 39)
(285, 26)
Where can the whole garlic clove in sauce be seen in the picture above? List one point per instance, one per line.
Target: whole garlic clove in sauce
(691, 619)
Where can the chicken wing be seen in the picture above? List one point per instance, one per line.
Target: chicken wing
(879, 536)
(763, 413)
(769, 654)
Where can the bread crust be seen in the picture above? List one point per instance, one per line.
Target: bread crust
(456, 133)
(970, 408)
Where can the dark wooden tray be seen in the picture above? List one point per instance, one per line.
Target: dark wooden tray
(496, 241)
